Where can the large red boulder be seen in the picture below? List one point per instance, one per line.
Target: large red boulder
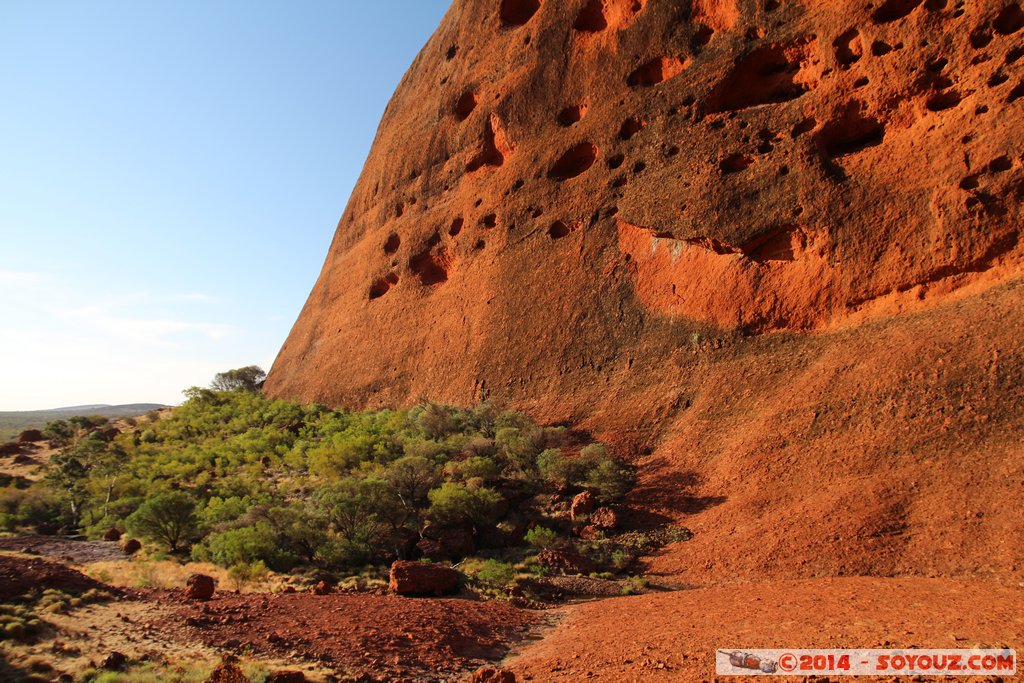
(199, 587)
(131, 546)
(582, 505)
(489, 675)
(420, 578)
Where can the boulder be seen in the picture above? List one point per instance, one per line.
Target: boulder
(112, 534)
(287, 677)
(131, 546)
(115, 661)
(420, 578)
(605, 519)
(582, 505)
(321, 588)
(488, 675)
(227, 672)
(31, 436)
(199, 587)
(10, 448)
(565, 562)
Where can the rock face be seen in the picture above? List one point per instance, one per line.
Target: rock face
(724, 234)
(420, 578)
(566, 194)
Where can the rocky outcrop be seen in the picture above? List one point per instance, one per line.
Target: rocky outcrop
(582, 505)
(763, 247)
(550, 236)
(10, 448)
(420, 578)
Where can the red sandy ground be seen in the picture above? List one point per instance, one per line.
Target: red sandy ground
(365, 636)
(673, 636)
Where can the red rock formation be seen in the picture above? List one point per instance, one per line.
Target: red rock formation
(767, 244)
(420, 578)
(534, 233)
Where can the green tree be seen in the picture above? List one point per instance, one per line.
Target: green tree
(250, 378)
(168, 518)
(412, 477)
(453, 503)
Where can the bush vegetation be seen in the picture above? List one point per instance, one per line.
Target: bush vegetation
(235, 478)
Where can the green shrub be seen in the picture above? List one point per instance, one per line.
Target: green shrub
(542, 537)
(459, 504)
(167, 518)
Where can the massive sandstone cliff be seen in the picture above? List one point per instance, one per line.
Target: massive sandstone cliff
(770, 247)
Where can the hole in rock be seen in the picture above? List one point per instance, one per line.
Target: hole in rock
(937, 64)
(591, 18)
(772, 5)
(1000, 164)
(943, 100)
(518, 12)
(805, 126)
(383, 285)
(702, 37)
(1014, 54)
(980, 37)
(450, 54)
(574, 162)
(480, 244)
(615, 161)
(434, 240)
(880, 48)
(639, 167)
(734, 163)
(850, 132)
(392, 243)
(658, 70)
(969, 183)
(861, 82)
(935, 5)
(489, 154)
(571, 115)
(1016, 93)
(1010, 20)
(893, 10)
(430, 268)
(848, 47)
(631, 127)
(619, 182)
(998, 78)
(489, 221)
(558, 230)
(771, 74)
(465, 105)
(456, 227)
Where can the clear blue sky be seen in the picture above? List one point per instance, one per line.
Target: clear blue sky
(171, 174)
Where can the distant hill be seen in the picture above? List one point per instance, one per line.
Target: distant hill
(14, 421)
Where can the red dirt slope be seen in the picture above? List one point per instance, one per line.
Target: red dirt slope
(673, 636)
